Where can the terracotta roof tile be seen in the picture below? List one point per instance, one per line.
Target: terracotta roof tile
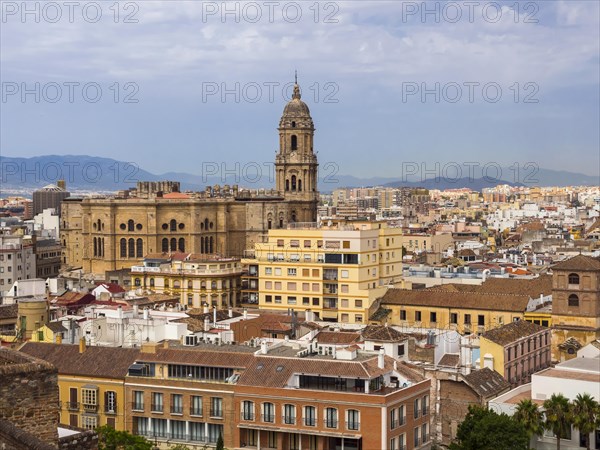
(458, 300)
(579, 262)
(486, 382)
(512, 332)
(337, 337)
(102, 362)
(382, 334)
(9, 311)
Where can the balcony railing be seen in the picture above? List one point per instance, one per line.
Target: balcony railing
(310, 422)
(353, 425)
(247, 415)
(417, 413)
(394, 424)
(216, 412)
(155, 408)
(289, 420)
(269, 418)
(195, 411)
(110, 409)
(89, 407)
(425, 410)
(329, 423)
(72, 406)
(402, 421)
(176, 409)
(137, 406)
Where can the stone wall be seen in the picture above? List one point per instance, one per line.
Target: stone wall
(29, 395)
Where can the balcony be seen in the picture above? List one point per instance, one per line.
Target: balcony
(353, 425)
(110, 409)
(248, 416)
(289, 420)
(216, 413)
(195, 411)
(72, 406)
(330, 423)
(394, 424)
(155, 408)
(176, 409)
(137, 407)
(417, 413)
(90, 407)
(268, 418)
(310, 422)
(425, 410)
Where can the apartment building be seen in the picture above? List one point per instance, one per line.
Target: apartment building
(463, 311)
(17, 258)
(91, 382)
(292, 400)
(198, 279)
(335, 271)
(516, 350)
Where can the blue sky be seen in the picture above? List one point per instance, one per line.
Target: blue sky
(359, 64)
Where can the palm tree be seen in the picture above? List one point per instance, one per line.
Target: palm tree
(557, 413)
(586, 415)
(529, 415)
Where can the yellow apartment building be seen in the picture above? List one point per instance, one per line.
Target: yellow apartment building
(197, 279)
(336, 271)
(91, 382)
(464, 311)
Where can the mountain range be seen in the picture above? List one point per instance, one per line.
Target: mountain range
(96, 174)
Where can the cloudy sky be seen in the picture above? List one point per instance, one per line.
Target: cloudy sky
(184, 83)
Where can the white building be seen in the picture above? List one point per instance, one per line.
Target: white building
(577, 376)
(17, 259)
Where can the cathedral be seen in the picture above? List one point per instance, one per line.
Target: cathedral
(116, 232)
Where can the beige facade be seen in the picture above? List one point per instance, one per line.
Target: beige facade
(196, 279)
(102, 234)
(336, 272)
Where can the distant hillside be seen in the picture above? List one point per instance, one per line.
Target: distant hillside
(90, 173)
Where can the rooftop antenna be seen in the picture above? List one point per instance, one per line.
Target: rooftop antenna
(296, 76)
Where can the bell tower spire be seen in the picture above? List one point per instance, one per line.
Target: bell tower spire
(296, 164)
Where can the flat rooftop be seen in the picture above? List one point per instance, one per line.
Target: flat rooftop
(288, 351)
(570, 375)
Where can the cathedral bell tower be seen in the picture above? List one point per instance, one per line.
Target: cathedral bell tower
(296, 164)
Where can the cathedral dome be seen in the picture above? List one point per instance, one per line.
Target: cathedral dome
(296, 107)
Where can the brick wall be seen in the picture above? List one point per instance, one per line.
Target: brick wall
(29, 395)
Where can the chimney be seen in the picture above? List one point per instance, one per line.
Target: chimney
(245, 313)
(59, 338)
(206, 323)
(146, 314)
(395, 365)
(81, 345)
(215, 316)
(205, 309)
(230, 312)
(135, 311)
(263, 347)
(381, 359)
(120, 312)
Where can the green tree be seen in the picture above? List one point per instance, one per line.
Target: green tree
(111, 439)
(529, 415)
(586, 415)
(484, 429)
(220, 444)
(557, 417)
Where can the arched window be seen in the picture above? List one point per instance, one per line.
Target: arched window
(293, 124)
(151, 282)
(299, 185)
(165, 245)
(293, 182)
(287, 185)
(573, 300)
(137, 282)
(99, 225)
(281, 222)
(181, 244)
(190, 284)
(293, 216)
(573, 278)
(202, 249)
(139, 248)
(206, 224)
(211, 249)
(294, 142)
(123, 248)
(95, 247)
(173, 225)
(269, 224)
(173, 244)
(131, 252)
(130, 225)
(101, 245)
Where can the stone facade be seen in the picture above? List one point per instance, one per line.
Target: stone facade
(103, 234)
(29, 395)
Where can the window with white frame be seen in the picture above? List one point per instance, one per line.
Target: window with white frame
(89, 396)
